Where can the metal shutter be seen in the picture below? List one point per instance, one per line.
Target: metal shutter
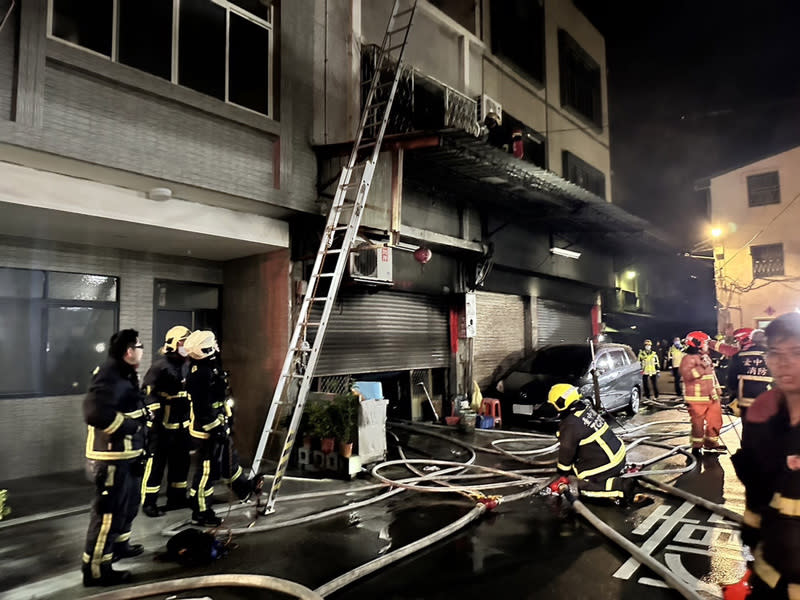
(558, 322)
(385, 331)
(500, 334)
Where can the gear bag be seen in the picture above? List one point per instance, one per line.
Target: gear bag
(193, 548)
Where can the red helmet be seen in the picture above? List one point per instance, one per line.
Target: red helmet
(743, 335)
(697, 339)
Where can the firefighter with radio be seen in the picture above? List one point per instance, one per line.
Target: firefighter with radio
(169, 441)
(702, 394)
(748, 374)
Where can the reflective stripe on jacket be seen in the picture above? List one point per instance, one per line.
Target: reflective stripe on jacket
(166, 397)
(206, 388)
(587, 445)
(700, 382)
(649, 362)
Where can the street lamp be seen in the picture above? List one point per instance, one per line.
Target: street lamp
(716, 232)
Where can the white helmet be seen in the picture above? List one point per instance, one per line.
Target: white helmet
(201, 344)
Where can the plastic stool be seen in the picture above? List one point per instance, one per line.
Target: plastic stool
(491, 407)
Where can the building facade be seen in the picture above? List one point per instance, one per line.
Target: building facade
(753, 212)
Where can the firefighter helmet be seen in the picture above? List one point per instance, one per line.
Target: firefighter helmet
(201, 344)
(563, 395)
(696, 339)
(174, 336)
(743, 335)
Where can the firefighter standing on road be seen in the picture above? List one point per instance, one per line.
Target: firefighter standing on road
(748, 374)
(116, 416)
(650, 365)
(169, 434)
(588, 448)
(702, 394)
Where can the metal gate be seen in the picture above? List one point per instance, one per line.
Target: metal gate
(385, 331)
(559, 322)
(500, 339)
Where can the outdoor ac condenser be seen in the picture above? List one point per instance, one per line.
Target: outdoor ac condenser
(370, 263)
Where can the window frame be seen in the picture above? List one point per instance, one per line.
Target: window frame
(749, 178)
(41, 305)
(570, 158)
(229, 7)
(565, 42)
(763, 247)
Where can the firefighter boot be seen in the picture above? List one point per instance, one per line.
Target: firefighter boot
(245, 489)
(108, 576)
(206, 518)
(176, 499)
(151, 510)
(126, 550)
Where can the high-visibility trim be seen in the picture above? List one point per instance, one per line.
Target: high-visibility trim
(110, 472)
(115, 424)
(561, 467)
(710, 438)
(106, 454)
(147, 470)
(179, 484)
(201, 486)
(153, 406)
(615, 460)
(764, 570)
(123, 537)
(136, 414)
(97, 553)
(707, 377)
(788, 507)
(745, 402)
(594, 437)
(752, 353)
(751, 519)
(172, 426)
(696, 439)
(216, 405)
(608, 494)
(199, 435)
(212, 425)
(154, 489)
(192, 493)
(755, 378)
(697, 398)
(86, 558)
(695, 373)
(237, 474)
(127, 443)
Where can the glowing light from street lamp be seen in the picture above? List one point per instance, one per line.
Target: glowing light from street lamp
(630, 274)
(716, 232)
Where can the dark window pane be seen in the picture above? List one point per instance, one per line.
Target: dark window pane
(460, 11)
(583, 174)
(21, 283)
(254, 7)
(201, 51)
(763, 189)
(517, 31)
(579, 79)
(248, 85)
(87, 23)
(186, 296)
(767, 260)
(77, 341)
(77, 286)
(20, 345)
(145, 35)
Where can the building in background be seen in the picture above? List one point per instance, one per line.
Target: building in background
(754, 213)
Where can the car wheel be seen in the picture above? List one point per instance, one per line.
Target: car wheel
(633, 402)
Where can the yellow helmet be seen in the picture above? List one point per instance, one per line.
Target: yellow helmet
(563, 395)
(201, 344)
(175, 334)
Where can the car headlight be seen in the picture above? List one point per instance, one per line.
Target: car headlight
(500, 387)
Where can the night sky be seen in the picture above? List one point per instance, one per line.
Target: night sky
(695, 87)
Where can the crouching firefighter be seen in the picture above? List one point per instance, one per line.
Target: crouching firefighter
(588, 449)
(207, 389)
(169, 439)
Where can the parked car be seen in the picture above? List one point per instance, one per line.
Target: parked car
(523, 389)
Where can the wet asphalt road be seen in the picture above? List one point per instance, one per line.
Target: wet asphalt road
(533, 548)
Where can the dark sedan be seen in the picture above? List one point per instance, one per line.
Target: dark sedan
(523, 389)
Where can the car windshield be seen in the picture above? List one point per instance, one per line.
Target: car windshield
(558, 360)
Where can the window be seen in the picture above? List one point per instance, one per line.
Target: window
(617, 359)
(463, 12)
(763, 189)
(221, 48)
(583, 174)
(54, 329)
(517, 32)
(767, 260)
(579, 79)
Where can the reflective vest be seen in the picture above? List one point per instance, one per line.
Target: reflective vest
(587, 446)
(649, 361)
(676, 356)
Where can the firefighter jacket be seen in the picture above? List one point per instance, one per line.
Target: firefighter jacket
(700, 382)
(649, 361)
(206, 388)
(115, 413)
(768, 465)
(587, 446)
(164, 388)
(675, 357)
(748, 375)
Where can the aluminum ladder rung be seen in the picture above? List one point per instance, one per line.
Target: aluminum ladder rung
(398, 30)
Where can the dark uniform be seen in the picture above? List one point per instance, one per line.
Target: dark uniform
(767, 466)
(592, 452)
(207, 389)
(116, 415)
(169, 436)
(748, 376)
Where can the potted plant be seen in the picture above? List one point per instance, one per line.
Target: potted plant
(345, 413)
(320, 419)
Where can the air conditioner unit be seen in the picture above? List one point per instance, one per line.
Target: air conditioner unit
(487, 104)
(371, 263)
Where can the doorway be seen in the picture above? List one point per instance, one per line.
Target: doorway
(193, 305)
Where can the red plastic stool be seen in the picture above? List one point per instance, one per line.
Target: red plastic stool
(491, 407)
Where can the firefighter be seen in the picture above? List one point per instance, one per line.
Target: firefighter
(702, 394)
(650, 366)
(768, 465)
(748, 374)
(588, 449)
(207, 388)
(676, 354)
(168, 440)
(116, 416)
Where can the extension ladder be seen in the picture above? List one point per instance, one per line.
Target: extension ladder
(337, 241)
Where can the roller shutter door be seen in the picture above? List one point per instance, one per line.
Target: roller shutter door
(385, 331)
(500, 336)
(559, 322)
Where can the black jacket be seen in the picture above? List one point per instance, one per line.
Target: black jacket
(748, 368)
(206, 387)
(115, 412)
(166, 397)
(587, 446)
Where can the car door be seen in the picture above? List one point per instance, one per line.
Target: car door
(622, 382)
(605, 377)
